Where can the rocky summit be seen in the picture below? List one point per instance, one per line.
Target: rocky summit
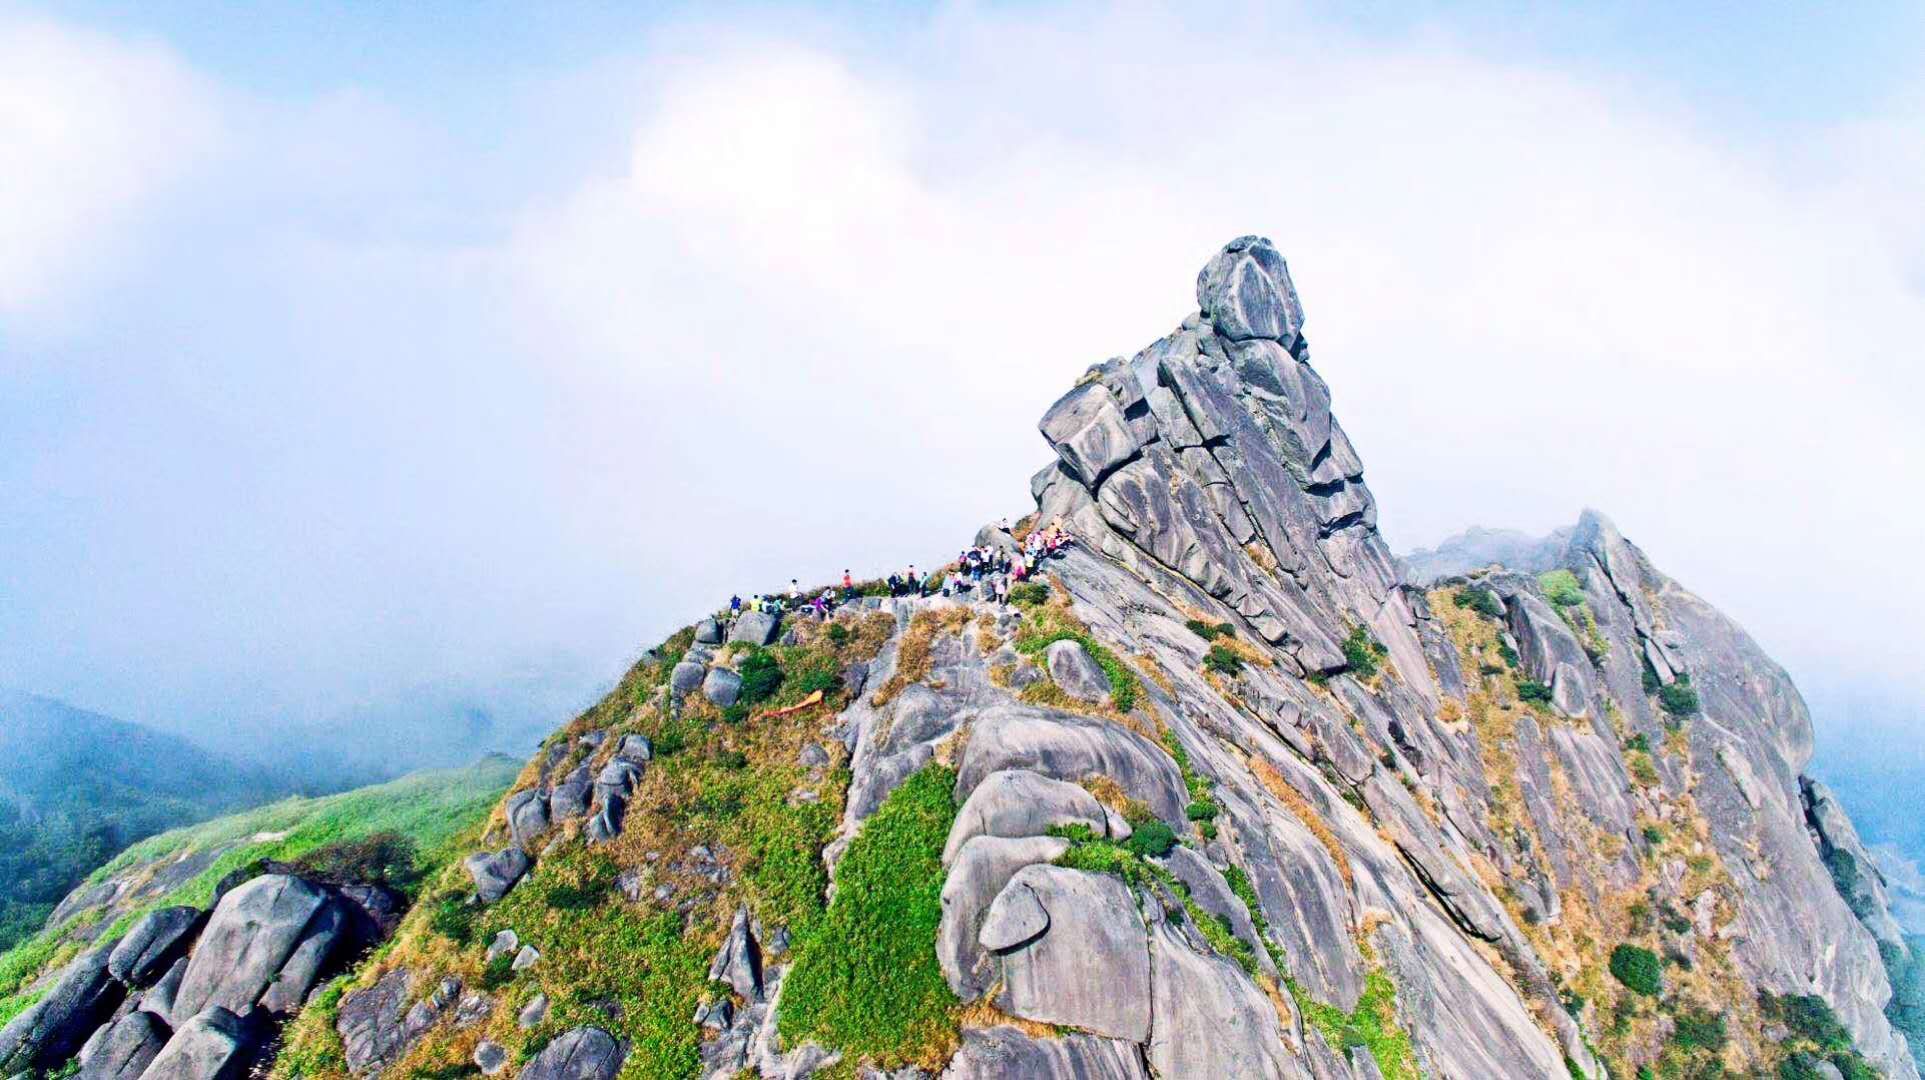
(1222, 790)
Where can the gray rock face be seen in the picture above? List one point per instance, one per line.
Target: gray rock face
(581, 1054)
(977, 875)
(1087, 428)
(1078, 673)
(54, 1028)
(755, 628)
(123, 1049)
(739, 961)
(1212, 893)
(686, 678)
(370, 1024)
(1195, 994)
(266, 943)
(152, 946)
(1004, 1053)
(708, 632)
(1017, 802)
(1245, 292)
(212, 1045)
(494, 874)
(1091, 968)
(1068, 747)
(722, 686)
(527, 817)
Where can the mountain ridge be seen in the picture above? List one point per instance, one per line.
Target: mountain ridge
(1218, 793)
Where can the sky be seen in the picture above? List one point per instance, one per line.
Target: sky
(351, 348)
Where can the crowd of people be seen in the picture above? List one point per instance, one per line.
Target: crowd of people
(985, 572)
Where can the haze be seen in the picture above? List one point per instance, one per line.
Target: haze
(348, 352)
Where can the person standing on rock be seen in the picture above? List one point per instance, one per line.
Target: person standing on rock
(848, 586)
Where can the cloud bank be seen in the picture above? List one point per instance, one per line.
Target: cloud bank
(302, 402)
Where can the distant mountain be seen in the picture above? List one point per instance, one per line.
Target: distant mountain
(76, 787)
(1477, 548)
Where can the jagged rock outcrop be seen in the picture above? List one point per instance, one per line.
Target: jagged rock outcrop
(1273, 811)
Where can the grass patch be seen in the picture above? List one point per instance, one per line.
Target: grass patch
(1479, 599)
(1364, 654)
(1561, 588)
(1209, 631)
(1046, 624)
(1223, 659)
(1372, 1025)
(868, 983)
(1679, 699)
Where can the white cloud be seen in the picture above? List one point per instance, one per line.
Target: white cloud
(810, 318)
(93, 129)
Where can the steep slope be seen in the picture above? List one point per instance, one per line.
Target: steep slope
(1219, 795)
(76, 787)
(289, 893)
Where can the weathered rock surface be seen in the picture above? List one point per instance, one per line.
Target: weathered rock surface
(755, 628)
(1091, 968)
(153, 944)
(212, 1045)
(53, 1029)
(123, 1049)
(1003, 1053)
(580, 1054)
(266, 944)
(1017, 802)
(494, 874)
(1077, 672)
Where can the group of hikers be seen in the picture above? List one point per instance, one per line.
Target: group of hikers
(988, 570)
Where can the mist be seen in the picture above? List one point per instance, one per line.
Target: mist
(325, 397)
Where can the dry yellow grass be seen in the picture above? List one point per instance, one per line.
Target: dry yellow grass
(1304, 812)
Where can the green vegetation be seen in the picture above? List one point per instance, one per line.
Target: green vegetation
(1481, 600)
(1209, 631)
(1029, 594)
(868, 983)
(1203, 808)
(1533, 691)
(1679, 699)
(1906, 969)
(1561, 588)
(1699, 1029)
(1638, 968)
(1815, 1036)
(1372, 1025)
(1046, 624)
(1363, 653)
(761, 676)
(1128, 861)
(77, 787)
(390, 828)
(1221, 658)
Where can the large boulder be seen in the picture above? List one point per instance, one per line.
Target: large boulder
(978, 874)
(54, 1028)
(371, 1024)
(571, 797)
(755, 628)
(527, 817)
(123, 1049)
(722, 686)
(154, 943)
(708, 632)
(267, 943)
(1004, 1053)
(1017, 802)
(1089, 433)
(1090, 968)
(495, 873)
(581, 1054)
(1245, 291)
(1071, 747)
(1211, 1020)
(1077, 672)
(214, 1044)
(686, 677)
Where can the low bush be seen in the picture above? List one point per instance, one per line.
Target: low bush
(1638, 968)
(381, 858)
(1201, 810)
(1481, 600)
(1561, 588)
(1151, 839)
(1209, 631)
(1533, 691)
(1679, 699)
(1222, 658)
(838, 634)
(1363, 653)
(761, 676)
(1029, 594)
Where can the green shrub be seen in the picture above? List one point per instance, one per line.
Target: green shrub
(734, 714)
(1372, 1024)
(1561, 588)
(1363, 652)
(1223, 659)
(761, 677)
(1679, 699)
(838, 634)
(1533, 691)
(1652, 684)
(1029, 593)
(1653, 834)
(1509, 654)
(1638, 969)
(1210, 631)
(1697, 1029)
(454, 916)
(1201, 810)
(1481, 600)
(867, 982)
(1152, 839)
(1808, 1017)
(380, 858)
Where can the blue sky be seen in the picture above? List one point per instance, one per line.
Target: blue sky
(345, 348)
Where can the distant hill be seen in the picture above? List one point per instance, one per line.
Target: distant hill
(76, 787)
